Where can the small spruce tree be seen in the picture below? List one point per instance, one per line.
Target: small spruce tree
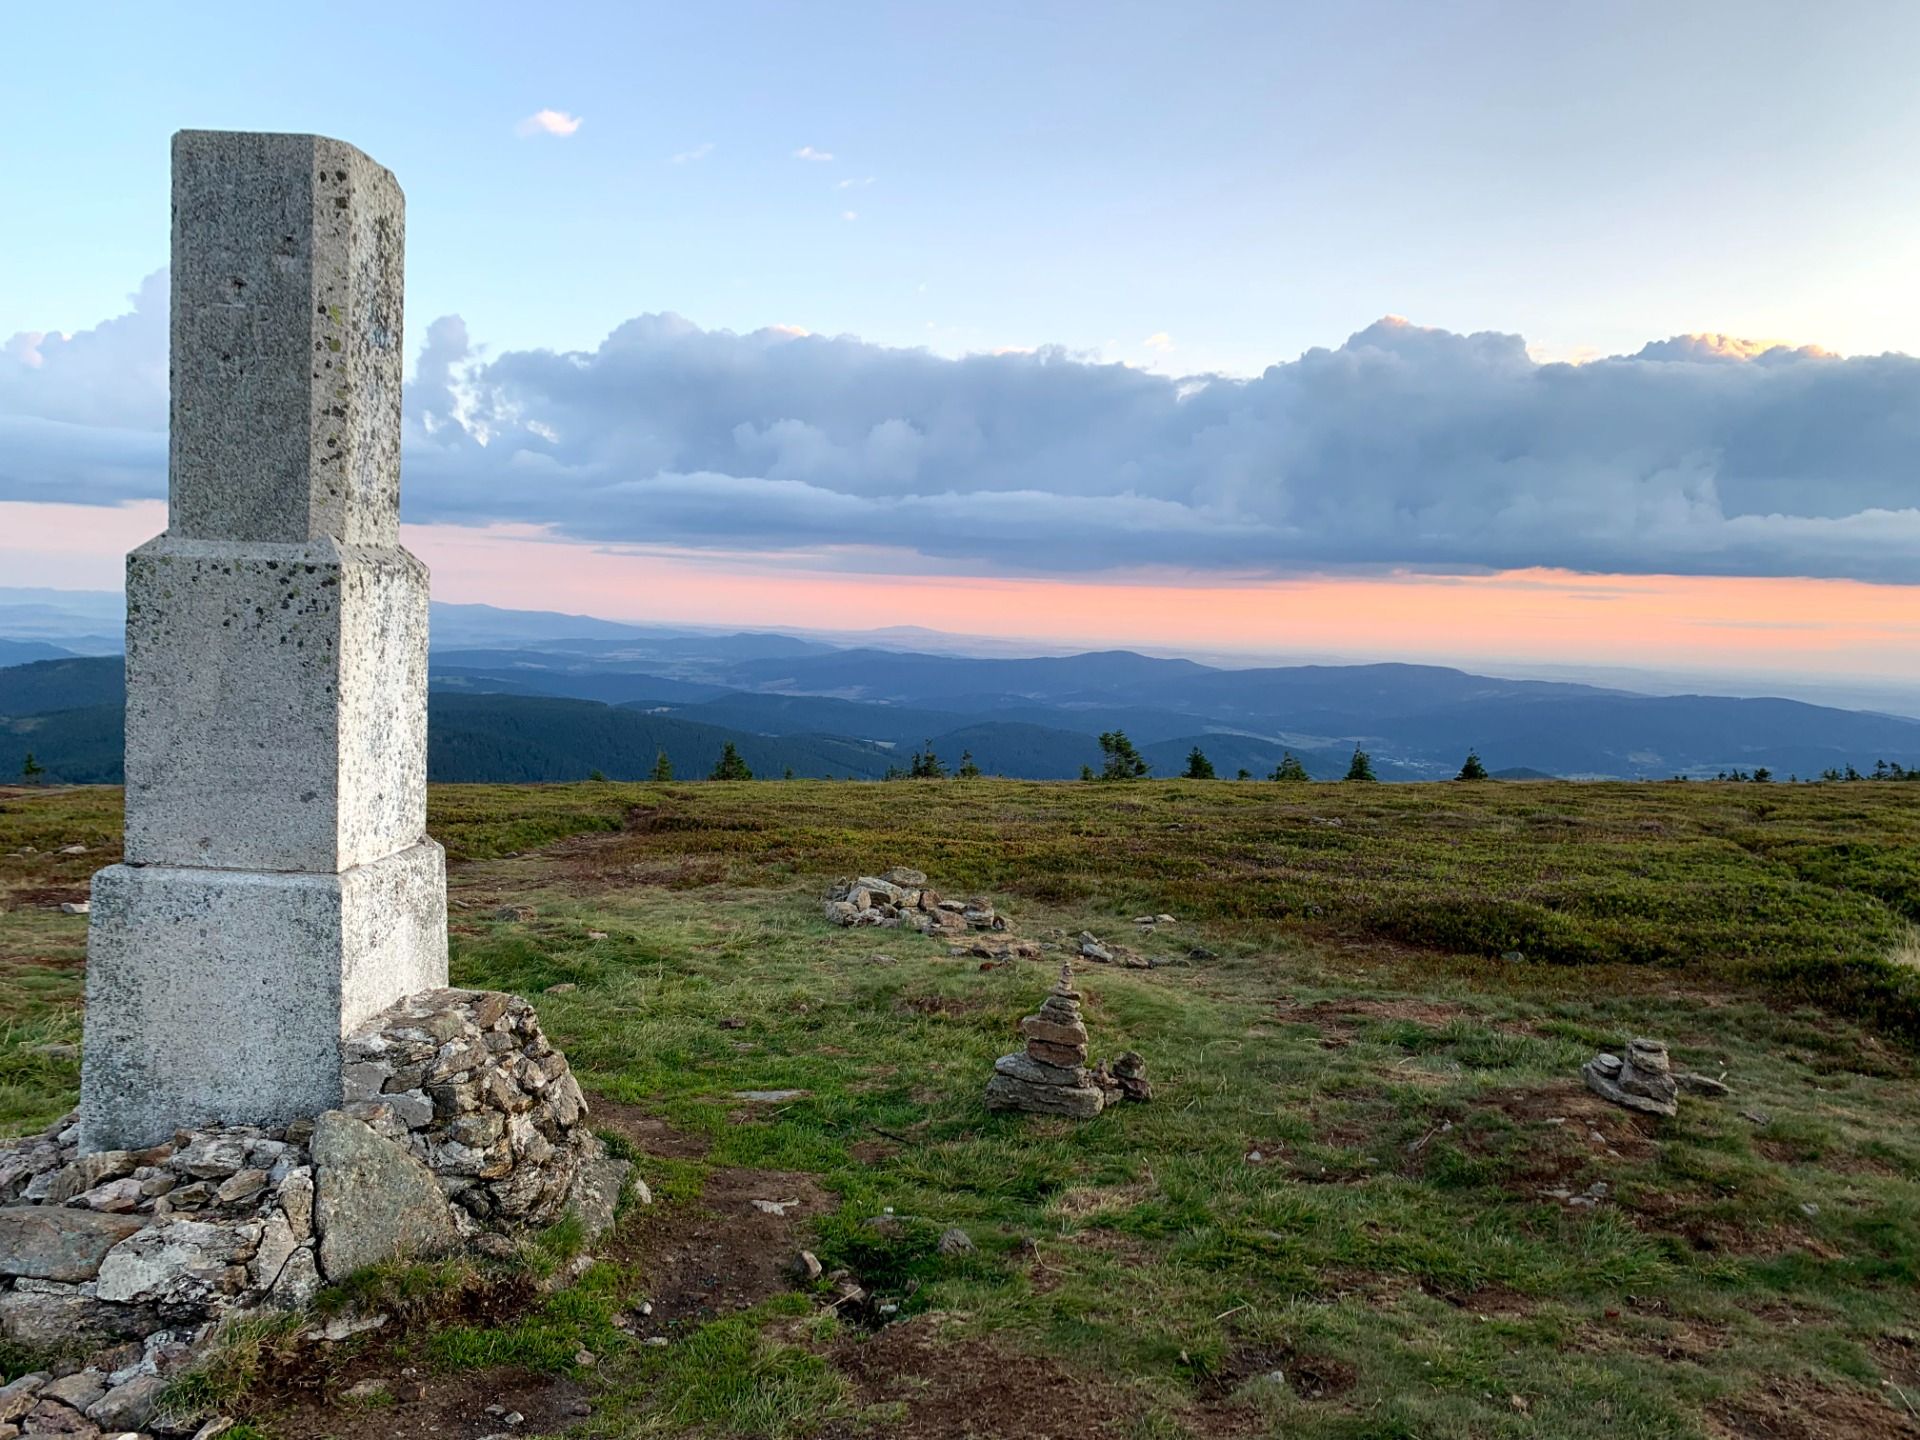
(731, 766)
(1289, 768)
(1086, 773)
(31, 769)
(1361, 766)
(1198, 766)
(662, 768)
(968, 770)
(1472, 770)
(1245, 774)
(1123, 762)
(926, 764)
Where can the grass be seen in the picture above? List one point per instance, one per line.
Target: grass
(1398, 1250)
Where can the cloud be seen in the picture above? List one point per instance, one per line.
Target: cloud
(807, 152)
(1159, 340)
(849, 214)
(687, 157)
(859, 184)
(1403, 447)
(557, 123)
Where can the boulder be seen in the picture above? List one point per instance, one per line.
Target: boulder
(54, 1242)
(129, 1406)
(179, 1262)
(373, 1201)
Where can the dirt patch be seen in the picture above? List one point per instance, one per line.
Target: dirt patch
(648, 1133)
(1794, 1409)
(1344, 1017)
(435, 1407)
(1492, 1301)
(872, 1152)
(723, 1253)
(1310, 1377)
(977, 1391)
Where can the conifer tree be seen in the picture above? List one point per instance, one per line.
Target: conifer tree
(662, 768)
(1361, 766)
(731, 766)
(31, 769)
(1123, 762)
(1086, 773)
(1289, 769)
(1198, 766)
(1472, 770)
(968, 770)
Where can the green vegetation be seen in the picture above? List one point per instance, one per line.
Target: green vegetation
(1290, 769)
(730, 766)
(1361, 766)
(1472, 769)
(1121, 761)
(1354, 1173)
(1198, 766)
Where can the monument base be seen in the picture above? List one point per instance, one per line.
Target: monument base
(462, 1127)
(221, 996)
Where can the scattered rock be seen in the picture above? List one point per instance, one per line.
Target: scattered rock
(1643, 1081)
(1695, 1084)
(374, 1387)
(71, 850)
(514, 912)
(955, 1241)
(804, 1267)
(565, 987)
(76, 907)
(771, 1097)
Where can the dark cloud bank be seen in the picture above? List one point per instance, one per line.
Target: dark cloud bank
(1403, 447)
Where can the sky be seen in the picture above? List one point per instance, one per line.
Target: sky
(1480, 331)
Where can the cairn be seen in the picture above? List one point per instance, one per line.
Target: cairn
(1050, 1077)
(1124, 1078)
(1643, 1081)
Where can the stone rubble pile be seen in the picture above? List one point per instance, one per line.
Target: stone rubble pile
(1050, 1077)
(1643, 1081)
(460, 1123)
(900, 899)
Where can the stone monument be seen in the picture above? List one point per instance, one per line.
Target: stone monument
(279, 888)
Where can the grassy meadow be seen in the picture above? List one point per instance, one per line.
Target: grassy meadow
(1370, 1197)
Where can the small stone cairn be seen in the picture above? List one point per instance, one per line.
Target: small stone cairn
(1643, 1081)
(900, 899)
(1050, 1077)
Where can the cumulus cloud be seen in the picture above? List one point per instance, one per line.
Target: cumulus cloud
(807, 152)
(557, 123)
(1402, 447)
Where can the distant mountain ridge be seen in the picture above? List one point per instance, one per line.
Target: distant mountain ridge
(566, 707)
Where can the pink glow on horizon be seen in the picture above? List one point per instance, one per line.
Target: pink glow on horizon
(1812, 627)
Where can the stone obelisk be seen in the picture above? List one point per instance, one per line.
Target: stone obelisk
(279, 886)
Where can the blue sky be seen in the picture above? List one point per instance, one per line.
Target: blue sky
(1245, 180)
(1059, 319)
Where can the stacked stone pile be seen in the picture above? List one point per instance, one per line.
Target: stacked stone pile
(1642, 1081)
(459, 1119)
(900, 898)
(1050, 1077)
(1124, 1077)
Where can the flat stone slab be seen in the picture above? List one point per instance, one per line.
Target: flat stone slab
(57, 1242)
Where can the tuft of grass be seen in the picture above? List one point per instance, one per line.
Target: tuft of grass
(241, 1351)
